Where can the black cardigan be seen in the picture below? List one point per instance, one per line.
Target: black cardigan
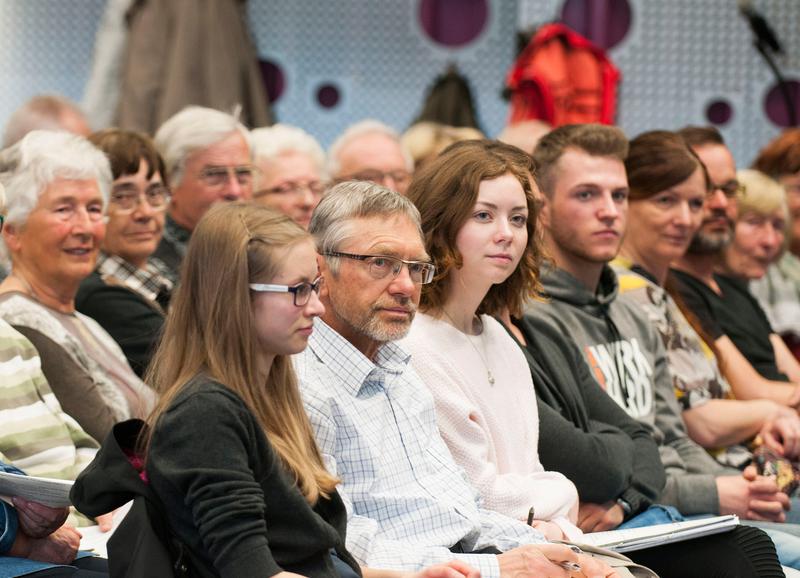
(229, 498)
(226, 494)
(133, 322)
(583, 433)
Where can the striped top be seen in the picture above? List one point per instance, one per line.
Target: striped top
(36, 435)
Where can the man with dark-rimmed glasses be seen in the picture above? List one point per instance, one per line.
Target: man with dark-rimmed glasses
(371, 151)
(408, 503)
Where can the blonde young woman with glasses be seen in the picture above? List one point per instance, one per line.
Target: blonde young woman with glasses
(230, 452)
(128, 292)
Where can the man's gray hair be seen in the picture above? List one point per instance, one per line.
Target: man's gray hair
(41, 157)
(332, 222)
(272, 141)
(356, 131)
(193, 129)
(42, 112)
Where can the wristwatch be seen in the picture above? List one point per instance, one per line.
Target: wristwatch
(627, 510)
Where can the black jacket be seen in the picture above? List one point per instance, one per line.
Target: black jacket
(133, 322)
(142, 546)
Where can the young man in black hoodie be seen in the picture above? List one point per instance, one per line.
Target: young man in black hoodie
(581, 174)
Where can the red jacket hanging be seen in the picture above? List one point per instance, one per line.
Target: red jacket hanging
(562, 78)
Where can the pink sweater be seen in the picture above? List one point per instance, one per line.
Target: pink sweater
(491, 430)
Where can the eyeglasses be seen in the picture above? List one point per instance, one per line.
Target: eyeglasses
(400, 177)
(730, 189)
(219, 176)
(380, 266)
(316, 188)
(125, 199)
(301, 291)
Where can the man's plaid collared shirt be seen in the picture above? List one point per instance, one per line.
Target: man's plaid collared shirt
(408, 502)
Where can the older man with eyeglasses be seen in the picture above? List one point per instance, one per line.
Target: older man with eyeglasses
(408, 503)
(371, 151)
(208, 159)
(291, 171)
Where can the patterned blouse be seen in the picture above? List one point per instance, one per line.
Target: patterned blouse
(695, 373)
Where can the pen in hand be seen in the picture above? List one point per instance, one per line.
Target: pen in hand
(571, 566)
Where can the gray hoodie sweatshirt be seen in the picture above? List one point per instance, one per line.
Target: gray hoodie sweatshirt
(628, 360)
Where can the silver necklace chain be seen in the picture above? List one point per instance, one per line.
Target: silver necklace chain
(481, 356)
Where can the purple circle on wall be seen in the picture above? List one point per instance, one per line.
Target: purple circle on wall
(453, 23)
(719, 112)
(775, 103)
(328, 95)
(274, 79)
(604, 22)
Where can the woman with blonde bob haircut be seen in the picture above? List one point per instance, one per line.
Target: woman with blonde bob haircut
(230, 452)
(759, 238)
(778, 288)
(762, 226)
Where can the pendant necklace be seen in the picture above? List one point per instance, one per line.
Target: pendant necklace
(481, 355)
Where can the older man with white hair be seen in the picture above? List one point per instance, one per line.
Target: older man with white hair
(207, 157)
(291, 170)
(371, 151)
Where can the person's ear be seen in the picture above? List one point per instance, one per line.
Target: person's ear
(11, 235)
(325, 272)
(544, 212)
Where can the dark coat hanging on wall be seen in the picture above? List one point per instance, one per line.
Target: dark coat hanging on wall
(183, 52)
(449, 101)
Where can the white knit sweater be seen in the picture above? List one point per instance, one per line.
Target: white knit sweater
(491, 430)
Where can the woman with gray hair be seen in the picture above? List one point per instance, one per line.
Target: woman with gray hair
(291, 166)
(762, 224)
(57, 185)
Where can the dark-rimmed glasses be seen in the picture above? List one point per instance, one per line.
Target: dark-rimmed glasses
(300, 292)
(380, 266)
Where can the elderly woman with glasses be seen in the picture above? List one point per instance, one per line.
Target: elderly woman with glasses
(128, 292)
(759, 236)
(56, 188)
(291, 171)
